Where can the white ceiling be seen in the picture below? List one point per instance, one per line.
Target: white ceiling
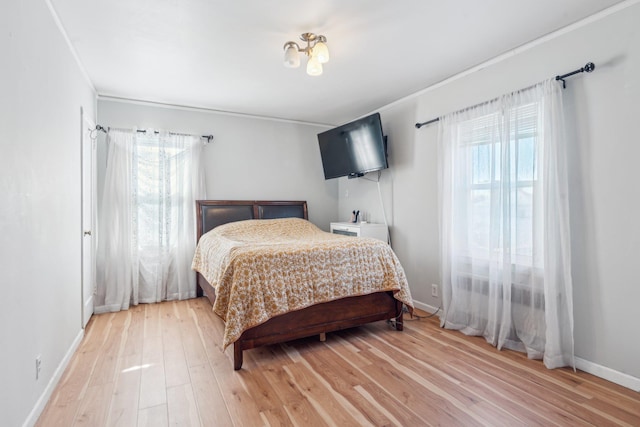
(228, 55)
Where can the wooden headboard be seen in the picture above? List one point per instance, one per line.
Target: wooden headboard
(212, 213)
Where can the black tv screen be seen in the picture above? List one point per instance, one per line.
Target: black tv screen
(353, 149)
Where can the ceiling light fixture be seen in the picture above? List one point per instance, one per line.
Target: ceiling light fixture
(316, 50)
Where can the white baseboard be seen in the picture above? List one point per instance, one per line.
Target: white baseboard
(426, 307)
(48, 391)
(608, 374)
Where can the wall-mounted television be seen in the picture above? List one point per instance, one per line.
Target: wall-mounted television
(353, 149)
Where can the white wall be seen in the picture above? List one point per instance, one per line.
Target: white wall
(42, 90)
(603, 108)
(249, 158)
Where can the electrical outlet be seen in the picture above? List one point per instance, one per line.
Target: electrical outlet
(434, 291)
(38, 366)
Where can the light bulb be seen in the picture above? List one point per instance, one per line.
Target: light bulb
(321, 51)
(291, 56)
(314, 67)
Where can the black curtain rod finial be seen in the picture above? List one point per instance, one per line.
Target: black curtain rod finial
(589, 67)
(419, 125)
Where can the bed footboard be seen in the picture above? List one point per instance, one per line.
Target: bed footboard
(319, 319)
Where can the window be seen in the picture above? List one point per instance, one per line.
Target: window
(156, 173)
(497, 186)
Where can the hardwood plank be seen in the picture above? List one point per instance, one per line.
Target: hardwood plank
(152, 381)
(97, 331)
(152, 320)
(182, 407)
(351, 401)
(412, 391)
(625, 411)
(194, 350)
(496, 416)
(611, 395)
(208, 396)
(510, 361)
(123, 410)
(135, 332)
(330, 408)
(612, 414)
(276, 418)
(268, 355)
(418, 371)
(59, 414)
(153, 390)
(422, 397)
(347, 381)
(105, 368)
(284, 386)
(346, 349)
(175, 362)
(302, 413)
(521, 393)
(262, 391)
(94, 407)
(539, 391)
(385, 416)
(239, 403)
(176, 369)
(443, 378)
(158, 364)
(156, 416)
(495, 397)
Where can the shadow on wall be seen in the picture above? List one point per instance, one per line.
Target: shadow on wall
(586, 276)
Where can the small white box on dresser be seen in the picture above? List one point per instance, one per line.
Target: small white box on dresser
(360, 229)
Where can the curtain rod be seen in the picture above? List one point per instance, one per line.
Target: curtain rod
(209, 138)
(589, 67)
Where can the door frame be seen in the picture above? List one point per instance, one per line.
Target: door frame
(87, 141)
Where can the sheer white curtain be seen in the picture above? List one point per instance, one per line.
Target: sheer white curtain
(147, 221)
(505, 224)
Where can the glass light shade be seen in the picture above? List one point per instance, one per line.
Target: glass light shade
(314, 67)
(321, 52)
(291, 56)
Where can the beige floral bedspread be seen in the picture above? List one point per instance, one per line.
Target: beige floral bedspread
(264, 268)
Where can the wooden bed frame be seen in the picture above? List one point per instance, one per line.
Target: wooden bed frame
(314, 320)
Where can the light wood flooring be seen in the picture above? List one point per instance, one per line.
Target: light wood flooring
(162, 364)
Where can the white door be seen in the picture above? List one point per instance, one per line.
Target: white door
(88, 149)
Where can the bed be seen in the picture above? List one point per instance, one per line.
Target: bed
(231, 260)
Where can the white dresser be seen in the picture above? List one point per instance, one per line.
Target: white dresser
(360, 229)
